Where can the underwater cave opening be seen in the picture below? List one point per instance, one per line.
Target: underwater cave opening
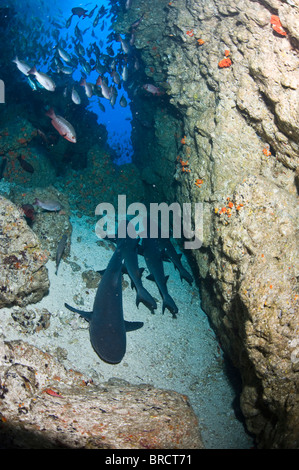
(94, 50)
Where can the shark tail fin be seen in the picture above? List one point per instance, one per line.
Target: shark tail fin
(185, 275)
(145, 297)
(169, 303)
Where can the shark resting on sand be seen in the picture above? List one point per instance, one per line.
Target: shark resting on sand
(107, 327)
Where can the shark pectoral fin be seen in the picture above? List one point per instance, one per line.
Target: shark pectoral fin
(140, 250)
(169, 303)
(86, 315)
(140, 272)
(101, 271)
(124, 269)
(133, 325)
(150, 277)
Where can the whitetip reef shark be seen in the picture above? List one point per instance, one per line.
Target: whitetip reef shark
(153, 258)
(107, 327)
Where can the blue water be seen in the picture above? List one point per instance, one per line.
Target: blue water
(117, 119)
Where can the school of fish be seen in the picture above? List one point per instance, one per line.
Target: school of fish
(59, 53)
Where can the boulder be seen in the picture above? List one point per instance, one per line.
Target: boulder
(43, 405)
(23, 275)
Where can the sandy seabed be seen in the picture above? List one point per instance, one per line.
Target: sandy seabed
(180, 353)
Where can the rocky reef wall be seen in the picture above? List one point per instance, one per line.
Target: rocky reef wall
(44, 406)
(225, 133)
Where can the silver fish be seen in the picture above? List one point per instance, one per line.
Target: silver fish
(88, 87)
(65, 69)
(125, 73)
(124, 45)
(48, 205)
(60, 249)
(75, 96)
(43, 79)
(22, 66)
(64, 55)
(106, 91)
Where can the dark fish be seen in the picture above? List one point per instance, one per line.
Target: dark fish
(60, 249)
(92, 12)
(96, 50)
(79, 49)
(78, 33)
(2, 167)
(29, 211)
(102, 11)
(123, 102)
(96, 20)
(68, 23)
(83, 32)
(171, 253)
(153, 258)
(107, 327)
(79, 11)
(110, 50)
(25, 165)
(102, 107)
(137, 22)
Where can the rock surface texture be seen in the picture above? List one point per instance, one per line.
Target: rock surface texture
(43, 405)
(237, 152)
(23, 275)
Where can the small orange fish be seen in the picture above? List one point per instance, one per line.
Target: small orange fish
(51, 392)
